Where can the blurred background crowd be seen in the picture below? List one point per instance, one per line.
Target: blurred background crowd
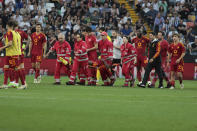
(70, 16)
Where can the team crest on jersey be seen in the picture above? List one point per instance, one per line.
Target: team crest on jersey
(142, 40)
(139, 44)
(175, 51)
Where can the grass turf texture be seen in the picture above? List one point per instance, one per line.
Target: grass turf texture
(46, 107)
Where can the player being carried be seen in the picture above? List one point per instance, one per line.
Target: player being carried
(176, 54)
(37, 49)
(63, 51)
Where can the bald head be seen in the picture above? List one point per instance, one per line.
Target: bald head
(61, 37)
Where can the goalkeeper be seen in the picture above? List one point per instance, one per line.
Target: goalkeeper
(63, 51)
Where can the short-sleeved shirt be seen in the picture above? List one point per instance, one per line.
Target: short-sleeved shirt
(37, 43)
(176, 50)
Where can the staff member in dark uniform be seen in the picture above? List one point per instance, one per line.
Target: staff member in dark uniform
(154, 61)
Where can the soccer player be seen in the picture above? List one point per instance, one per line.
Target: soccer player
(37, 49)
(154, 61)
(164, 49)
(24, 37)
(92, 47)
(141, 43)
(80, 63)
(128, 56)
(176, 54)
(13, 50)
(63, 51)
(106, 49)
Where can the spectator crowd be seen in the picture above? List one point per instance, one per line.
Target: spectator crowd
(70, 16)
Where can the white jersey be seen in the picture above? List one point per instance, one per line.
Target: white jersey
(116, 52)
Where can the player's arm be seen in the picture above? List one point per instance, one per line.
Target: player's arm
(10, 41)
(158, 49)
(30, 47)
(45, 48)
(6, 46)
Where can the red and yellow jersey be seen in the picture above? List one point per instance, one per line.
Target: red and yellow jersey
(140, 44)
(176, 50)
(38, 41)
(15, 48)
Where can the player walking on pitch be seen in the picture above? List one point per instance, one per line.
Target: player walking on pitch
(176, 54)
(37, 49)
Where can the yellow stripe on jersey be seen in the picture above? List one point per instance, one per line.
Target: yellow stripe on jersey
(15, 49)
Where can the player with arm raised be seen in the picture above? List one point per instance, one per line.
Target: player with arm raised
(37, 50)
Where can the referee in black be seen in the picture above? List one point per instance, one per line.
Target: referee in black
(154, 61)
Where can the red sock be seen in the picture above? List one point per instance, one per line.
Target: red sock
(12, 74)
(21, 77)
(23, 73)
(16, 76)
(173, 83)
(6, 75)
(37, 73)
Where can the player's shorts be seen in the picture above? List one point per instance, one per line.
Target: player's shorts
(141, 61)
(177, 67)
(36, 58)
(12, 61)
(21, 59)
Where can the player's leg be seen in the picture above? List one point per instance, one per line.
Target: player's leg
(172, 76)
(57, 73)
(38, 63)
(146, 75)
(158, 70)
(86, 72)
(75, 69)
(125, 71)
(6, 76)
(109, 73)
(180, 75)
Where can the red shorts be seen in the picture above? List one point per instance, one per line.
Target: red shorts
(36, 58)
(141, 61)
(177, 67)
(21, 59)
(12, 61)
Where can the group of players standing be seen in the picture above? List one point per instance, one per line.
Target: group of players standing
(131, 54)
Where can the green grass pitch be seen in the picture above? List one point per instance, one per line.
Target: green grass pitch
(45, 107)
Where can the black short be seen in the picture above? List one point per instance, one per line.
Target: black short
(116, 61)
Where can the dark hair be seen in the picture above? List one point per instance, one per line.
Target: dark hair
(39, 24)
(128, 38)
(15, 23)
(163, 34)
(11, 23)
(88, 29)
(153, 33)
(102, 28)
